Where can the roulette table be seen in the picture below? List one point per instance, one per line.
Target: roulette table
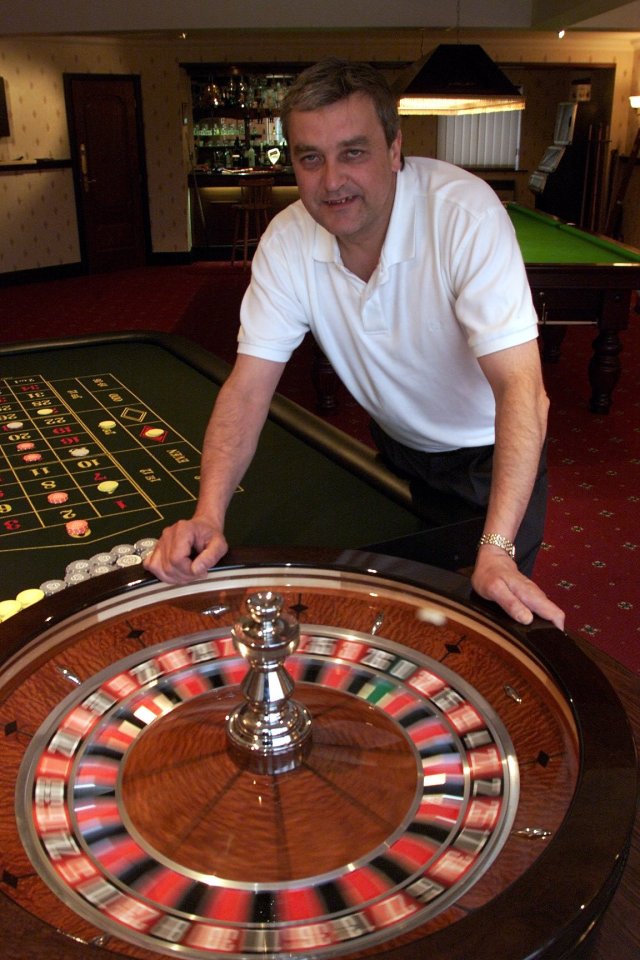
(100, 442)
(467, 789)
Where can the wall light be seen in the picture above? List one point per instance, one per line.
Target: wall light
(635, 101)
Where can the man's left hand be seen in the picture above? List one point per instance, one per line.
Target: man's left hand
(496, 577)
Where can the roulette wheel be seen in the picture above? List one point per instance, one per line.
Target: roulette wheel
(411, 775)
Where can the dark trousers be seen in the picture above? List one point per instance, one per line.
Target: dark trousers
(453, 486)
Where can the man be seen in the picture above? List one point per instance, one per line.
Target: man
(411, 280)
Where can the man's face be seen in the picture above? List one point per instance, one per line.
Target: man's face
(345, 170)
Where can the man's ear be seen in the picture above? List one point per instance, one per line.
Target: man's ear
(396, 153)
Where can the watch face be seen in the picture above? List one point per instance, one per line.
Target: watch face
(443, 788)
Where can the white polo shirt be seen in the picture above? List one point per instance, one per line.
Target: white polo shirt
(450, 287)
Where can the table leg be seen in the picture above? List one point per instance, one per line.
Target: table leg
(325, 381)
(552, 336)
(604, 370)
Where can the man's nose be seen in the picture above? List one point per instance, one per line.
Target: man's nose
(334, 175)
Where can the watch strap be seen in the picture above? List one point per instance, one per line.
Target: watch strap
(497, 540)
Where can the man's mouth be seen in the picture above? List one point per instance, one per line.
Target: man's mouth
(339, 201)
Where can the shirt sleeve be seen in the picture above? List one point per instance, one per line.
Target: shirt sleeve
(273, 316)
(493, 296)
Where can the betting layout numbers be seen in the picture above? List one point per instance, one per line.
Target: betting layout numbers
(84, 457)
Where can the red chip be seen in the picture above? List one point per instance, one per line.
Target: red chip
(58, 496)
(77, 528)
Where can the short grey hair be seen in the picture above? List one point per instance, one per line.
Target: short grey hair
(332, 80)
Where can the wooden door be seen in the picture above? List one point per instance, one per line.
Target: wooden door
(105, 132)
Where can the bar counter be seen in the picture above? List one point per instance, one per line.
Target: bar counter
(213, 195)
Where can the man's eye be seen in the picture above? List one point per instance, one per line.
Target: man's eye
(310, 159)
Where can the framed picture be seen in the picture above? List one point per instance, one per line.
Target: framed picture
(552, 157)
(4, 116)
(565, 122)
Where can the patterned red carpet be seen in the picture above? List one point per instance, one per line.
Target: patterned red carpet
(591, 558)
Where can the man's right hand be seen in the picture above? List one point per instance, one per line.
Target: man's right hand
(189, 548)
(185, 551)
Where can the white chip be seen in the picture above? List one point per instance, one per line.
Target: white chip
(49, 587)
(121, 550)
(145, 546)
(101, 560)
(128, 560)
(78, 577)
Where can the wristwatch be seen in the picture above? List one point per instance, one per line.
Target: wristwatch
(498, 541)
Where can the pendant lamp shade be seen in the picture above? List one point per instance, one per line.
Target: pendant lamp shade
(456, 78)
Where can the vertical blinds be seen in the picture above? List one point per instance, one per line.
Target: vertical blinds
(480, 139)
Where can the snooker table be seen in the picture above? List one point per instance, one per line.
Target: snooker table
(107, 430)
(578, 277)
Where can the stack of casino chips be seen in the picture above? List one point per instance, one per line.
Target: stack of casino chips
(24, 599)
(122, 555)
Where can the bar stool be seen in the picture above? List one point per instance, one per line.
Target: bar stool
(251, 215)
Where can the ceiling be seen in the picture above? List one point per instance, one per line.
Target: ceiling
(95, 16)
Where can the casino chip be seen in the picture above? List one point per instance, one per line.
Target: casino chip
(128, 560)
(121, 550)
(98, 569)
(8, 608)
(28, 597)
(77, 577)
(101, 560)
(58, 496)
(77, 566)
(145, 546)
(108, 486)
(49, 587)
(77, 528)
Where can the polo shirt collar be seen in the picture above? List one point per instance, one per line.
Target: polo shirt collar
(399, 244)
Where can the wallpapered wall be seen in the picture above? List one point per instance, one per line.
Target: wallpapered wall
(38, 226)
(37, 209)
